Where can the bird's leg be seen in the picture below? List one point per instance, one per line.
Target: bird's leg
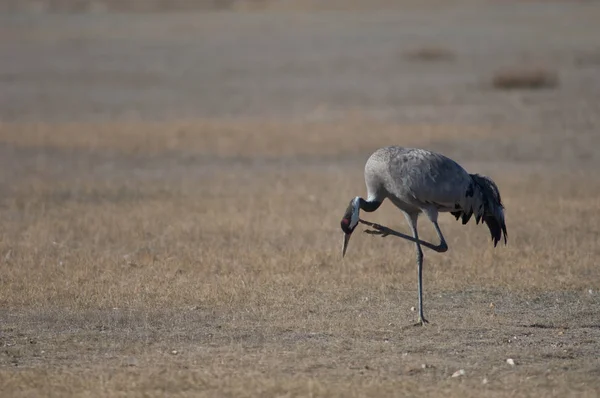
(384, 231)
(412, 221)
(443, 246)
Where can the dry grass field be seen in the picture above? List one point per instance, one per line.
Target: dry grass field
(171, 187)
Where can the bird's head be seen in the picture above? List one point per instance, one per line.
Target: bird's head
(350, 221)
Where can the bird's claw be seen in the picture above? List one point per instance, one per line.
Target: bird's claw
(422, 322)
(372, 232)
(377, 229)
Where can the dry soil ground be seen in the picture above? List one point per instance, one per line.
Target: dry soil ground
(171, 187)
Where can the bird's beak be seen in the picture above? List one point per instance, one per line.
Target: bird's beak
(346, 239)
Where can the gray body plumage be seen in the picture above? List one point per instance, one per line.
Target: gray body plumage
(417, 180)
(420, 181)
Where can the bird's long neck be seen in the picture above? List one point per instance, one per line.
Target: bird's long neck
(368, 205)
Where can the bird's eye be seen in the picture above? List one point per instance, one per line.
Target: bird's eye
(345, 224)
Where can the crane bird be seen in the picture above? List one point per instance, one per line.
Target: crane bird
(419, 181)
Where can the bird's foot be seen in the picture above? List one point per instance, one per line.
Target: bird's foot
(422, 322)
(377, 229)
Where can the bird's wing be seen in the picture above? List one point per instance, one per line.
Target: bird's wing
(429, 178)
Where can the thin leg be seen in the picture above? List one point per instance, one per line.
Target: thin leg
(443, 246)
(412, 221)
(385, 231)
(432, 214)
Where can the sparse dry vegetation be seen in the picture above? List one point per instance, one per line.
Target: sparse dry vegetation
(151, 271)
(514, 78)
(162, 255)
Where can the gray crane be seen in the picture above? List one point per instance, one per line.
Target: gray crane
(420, 181)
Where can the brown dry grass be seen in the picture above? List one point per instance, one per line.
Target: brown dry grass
(199, 255)
(128, 268)
(249, 138)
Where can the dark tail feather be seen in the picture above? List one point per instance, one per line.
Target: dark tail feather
(493, 210)
(466, 216)
(490, 210)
